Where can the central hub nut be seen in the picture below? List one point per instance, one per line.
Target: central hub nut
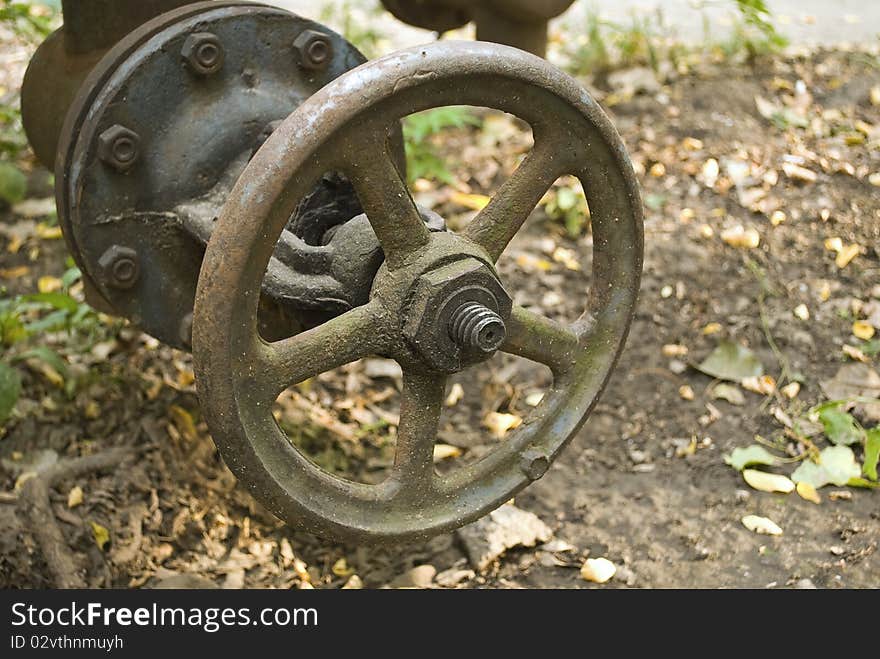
(455, 315)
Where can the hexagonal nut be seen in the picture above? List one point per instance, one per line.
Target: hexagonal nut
(119, 147)
(119, 267)
(204, 53)
(436, 296)
(314, 50)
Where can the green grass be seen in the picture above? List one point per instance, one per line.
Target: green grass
(420, 131)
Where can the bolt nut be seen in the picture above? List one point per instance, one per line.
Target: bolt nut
(434, 301)
(120, 267)
(204, 53)
(314, 50)
(119, 147)
(534, 464)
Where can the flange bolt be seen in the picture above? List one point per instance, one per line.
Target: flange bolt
(204, 53)
(119, 147)
(314, 49)
(476, 327)
(120, 267)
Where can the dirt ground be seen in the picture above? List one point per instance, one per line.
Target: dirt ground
(644, 483)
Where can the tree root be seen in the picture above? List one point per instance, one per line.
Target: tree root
(33, 503)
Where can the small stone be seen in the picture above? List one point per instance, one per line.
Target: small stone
(742, 496)
(75, 497)
(837, 550)
(761, 525)
(354, 583)
(625, 575)
(504, 528)
(677, 366)
(598, 570)
(421, 576)
(454, 576)
(805, 584)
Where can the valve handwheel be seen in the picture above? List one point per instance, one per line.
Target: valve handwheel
(436, 305)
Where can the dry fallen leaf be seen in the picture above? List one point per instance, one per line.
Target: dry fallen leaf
(14, 273)
(740, 237)
(474, 202)
(808, 492)
(101, 535)
(48, 284)
(456, 393)
(798, 173)
(75, 497)
(598, 570)
(534, 399)
(674, 350)
(767, 482)
(847, 254)
(863, 330)
(854, 353)
(759, 384)
(46, 232)
(566, 257)
(791, 390)
(183, 421)
(761, 525)
(341, 568)
(500, 423)
(529, 263)
(712, 328)
(445, 451)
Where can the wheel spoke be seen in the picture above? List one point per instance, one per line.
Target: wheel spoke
(498, 222)
(540, 339)
(420, 409)
(346, 338)
(386, 200)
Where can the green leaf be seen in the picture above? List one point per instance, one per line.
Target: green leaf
(837, 465)
(731, 361)
(48, 357)
(840, 426)
(862, 482)
(10, 390)
(60, 301)
(740, 458)
(872, 453)
(13, 184)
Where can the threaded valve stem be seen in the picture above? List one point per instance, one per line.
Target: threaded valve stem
(476, 327)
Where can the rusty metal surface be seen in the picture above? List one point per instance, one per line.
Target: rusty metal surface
(346, 127)
(161, 130)
(519, 23)
(63, 61)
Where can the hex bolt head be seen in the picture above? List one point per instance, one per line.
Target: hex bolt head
(204, 53)
(314, 50)
(120, 267)
(119, 147)
(534, 464)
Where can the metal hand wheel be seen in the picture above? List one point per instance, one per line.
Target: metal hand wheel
(436, 304)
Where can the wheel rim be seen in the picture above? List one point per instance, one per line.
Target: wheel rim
(344, 128)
